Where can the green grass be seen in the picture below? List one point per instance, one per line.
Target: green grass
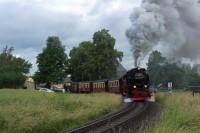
(181, 114)
(30, 111)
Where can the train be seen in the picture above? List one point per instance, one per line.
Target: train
(133, 85)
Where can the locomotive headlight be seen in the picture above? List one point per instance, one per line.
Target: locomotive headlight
(134, 86)
(145, 86)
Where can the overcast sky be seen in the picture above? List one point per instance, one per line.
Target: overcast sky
(26, 24)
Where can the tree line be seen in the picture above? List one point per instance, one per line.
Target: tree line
(163, 70)
(90, 60)
(94, 59)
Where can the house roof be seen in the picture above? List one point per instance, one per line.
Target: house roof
(120, 70)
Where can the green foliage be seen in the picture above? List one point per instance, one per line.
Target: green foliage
(95, 60)
(12, 69)
(162, 71)
(52, 62)
(155, 68)
(82, 62)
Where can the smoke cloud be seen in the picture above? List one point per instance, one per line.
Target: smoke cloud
(170, 26)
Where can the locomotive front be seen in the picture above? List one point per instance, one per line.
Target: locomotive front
(137, 84)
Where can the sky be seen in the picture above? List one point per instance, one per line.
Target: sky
(26, 24)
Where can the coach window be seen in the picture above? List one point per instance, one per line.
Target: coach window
(79, 86)
(116, 83)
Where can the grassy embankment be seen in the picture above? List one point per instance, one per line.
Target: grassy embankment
(39, 112)
(181, 114)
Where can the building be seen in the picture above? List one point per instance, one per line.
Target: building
(29, 83)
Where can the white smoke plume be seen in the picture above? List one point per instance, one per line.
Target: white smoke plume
(171, 26)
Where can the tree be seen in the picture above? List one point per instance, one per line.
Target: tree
(155, 68)
(191, 77)
(12, 69)
(95, 60)
(82, 61)
(52, 62)
(107, 58)
(162, 71)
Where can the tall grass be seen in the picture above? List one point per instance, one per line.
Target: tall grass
(30, 111)
(181, 114)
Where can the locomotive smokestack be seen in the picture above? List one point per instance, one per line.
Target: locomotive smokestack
(170, 26)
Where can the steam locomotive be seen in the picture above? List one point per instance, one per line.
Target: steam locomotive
(137, 84)
(134, 85)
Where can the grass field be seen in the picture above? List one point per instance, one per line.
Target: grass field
(181, 114)
(24, 111)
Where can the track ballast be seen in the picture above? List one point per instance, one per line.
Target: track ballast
(127, 120)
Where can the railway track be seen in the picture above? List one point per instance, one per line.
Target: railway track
(127, 120)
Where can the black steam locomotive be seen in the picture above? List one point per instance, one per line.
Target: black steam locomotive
(136, 84)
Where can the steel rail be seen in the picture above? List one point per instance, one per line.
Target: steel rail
(113, 120)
